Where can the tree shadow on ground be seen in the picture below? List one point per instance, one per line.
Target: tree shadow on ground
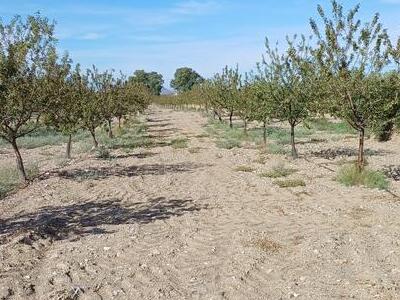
(80, 219)
(158, 125)
(97, 173)
(333, 153)
(136, 155)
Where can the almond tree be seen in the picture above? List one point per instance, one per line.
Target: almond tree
(350, 54)
(64, 113)
(291, 86)
(25, 48)
(227, 85)
(91, 104)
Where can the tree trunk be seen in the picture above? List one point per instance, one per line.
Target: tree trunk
(361, 158)
(265, 132)
(119, 123)
(69, 146)
(95, 142)
(110, 133)
(292, 142)
(230, 120)
(20, 163)
(245, 126)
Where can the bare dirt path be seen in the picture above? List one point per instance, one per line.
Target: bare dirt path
(167, 223)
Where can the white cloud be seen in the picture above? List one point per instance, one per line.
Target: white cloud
(91, 36)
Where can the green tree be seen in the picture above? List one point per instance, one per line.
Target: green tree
(153, 80)
(25, 48)
(185, 78)
(227, 90)
(91, 102)
(350, 55)
(63, 112)
(291, 84)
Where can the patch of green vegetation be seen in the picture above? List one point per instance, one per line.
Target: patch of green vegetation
(323, 124)
(132, 135)
(349, 175)
(9, 179)
(103, 153)
(277, 149)
(228, 144)
(290, 183)
(244, 169)
(43, 136)
(179, 143)
(278, 171)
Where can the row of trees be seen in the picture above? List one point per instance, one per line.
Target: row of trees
(346, 69)
(38, 87)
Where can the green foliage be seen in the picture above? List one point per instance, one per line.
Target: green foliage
(290, 183)
(350, 175)
(152, 80)
(350, 58)
(185, 78)
(27, 46)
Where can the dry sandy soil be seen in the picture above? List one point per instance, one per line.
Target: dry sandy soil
(165, 223)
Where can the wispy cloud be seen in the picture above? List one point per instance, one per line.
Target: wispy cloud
(91, 36)
(195, 7)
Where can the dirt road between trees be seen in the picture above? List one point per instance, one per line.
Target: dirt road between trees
(185, 223)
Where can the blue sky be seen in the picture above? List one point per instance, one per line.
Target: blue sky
(161, 36)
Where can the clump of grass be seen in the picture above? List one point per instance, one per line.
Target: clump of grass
(103, 153)
(202, 135)
(179, 143)
(244, 169)
(267, 245)
(228, 144)
(276, 149)
(278, 171)
(350, 176)
(290, 183)
(9, 178)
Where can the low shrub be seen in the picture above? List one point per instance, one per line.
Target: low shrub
(350, 176)
(278, 171)
(244, 169)
(290, 183)
(103, 153)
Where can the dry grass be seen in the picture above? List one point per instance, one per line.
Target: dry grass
(267, 245)
(194, 150)
(290, 183)
(244, 169)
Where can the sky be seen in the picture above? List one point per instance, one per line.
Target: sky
(162, 36)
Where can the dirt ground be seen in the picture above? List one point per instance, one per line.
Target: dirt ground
(165, 223)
